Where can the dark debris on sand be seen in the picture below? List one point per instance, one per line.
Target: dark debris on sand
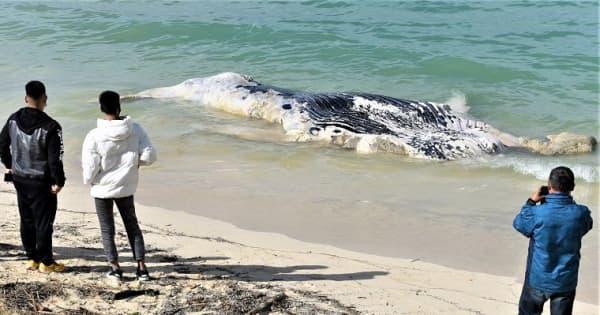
(215, 297)
(233, 297)
(170, 294)
(176, 291)
(30, 297)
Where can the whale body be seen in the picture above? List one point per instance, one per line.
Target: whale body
(365, 122)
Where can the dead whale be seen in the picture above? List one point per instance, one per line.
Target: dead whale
(365, 122)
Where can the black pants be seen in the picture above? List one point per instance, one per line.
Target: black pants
(532, 302)
(104, 209)
(37, 208)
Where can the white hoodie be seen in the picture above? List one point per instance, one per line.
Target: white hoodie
(111, 156)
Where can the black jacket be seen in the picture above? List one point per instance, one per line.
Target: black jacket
(31, 145)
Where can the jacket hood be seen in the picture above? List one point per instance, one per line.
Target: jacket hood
(115, 130)
(29, 119)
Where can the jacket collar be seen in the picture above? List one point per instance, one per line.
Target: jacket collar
(559, 198)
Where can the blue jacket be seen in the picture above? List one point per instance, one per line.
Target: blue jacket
(555, 230)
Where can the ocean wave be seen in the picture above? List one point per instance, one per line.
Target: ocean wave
(537, 167)
(458, 102)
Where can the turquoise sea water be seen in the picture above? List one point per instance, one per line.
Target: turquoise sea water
(527, 68)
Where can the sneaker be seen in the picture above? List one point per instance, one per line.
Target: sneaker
(115, 274)
(53, 267)
(32, 265)
(142, 275)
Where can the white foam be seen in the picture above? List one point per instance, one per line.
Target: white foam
(458, 102)
(537, 167)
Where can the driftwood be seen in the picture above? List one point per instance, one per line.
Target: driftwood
(126, 294)
(266, 306)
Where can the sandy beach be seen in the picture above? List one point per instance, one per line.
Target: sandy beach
(314, 157)
(211, 267)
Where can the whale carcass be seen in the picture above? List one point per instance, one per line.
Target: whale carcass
(365, 122)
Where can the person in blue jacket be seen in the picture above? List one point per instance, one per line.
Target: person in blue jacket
(555, 228)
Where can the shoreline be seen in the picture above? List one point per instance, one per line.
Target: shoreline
(460, 230)
(193, 255)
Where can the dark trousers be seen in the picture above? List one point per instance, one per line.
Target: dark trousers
(104, 209)
(532, 302)
(37, 208)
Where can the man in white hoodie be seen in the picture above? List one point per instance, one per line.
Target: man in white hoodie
(111, 156)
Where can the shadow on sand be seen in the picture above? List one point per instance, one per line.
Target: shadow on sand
(175, 266)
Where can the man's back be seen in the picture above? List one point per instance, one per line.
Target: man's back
(111, 156)
(35, 142)
(556, 229)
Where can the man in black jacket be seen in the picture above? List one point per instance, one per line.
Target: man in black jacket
(31, 148)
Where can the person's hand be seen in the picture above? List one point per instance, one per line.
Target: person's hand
(536, 195)
(55, 189)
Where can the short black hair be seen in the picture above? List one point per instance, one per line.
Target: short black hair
(35, 89)
(110, 102)
(562, 179)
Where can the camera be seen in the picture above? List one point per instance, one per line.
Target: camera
(544, 191)
(8, 177)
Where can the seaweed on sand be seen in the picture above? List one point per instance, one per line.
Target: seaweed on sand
(233, 297)
(30, 297)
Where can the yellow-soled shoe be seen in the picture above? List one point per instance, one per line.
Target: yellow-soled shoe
(32, 265)
(55, 267)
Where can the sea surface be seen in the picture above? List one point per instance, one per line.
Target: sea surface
(527, 68)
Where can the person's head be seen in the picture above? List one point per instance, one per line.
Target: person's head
(35, 94)
(561, 179)
(110, 103)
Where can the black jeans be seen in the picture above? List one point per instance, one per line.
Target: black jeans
(532, 302)
(104, 209)
(37, 208)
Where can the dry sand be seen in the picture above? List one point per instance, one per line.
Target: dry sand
(210, 267)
